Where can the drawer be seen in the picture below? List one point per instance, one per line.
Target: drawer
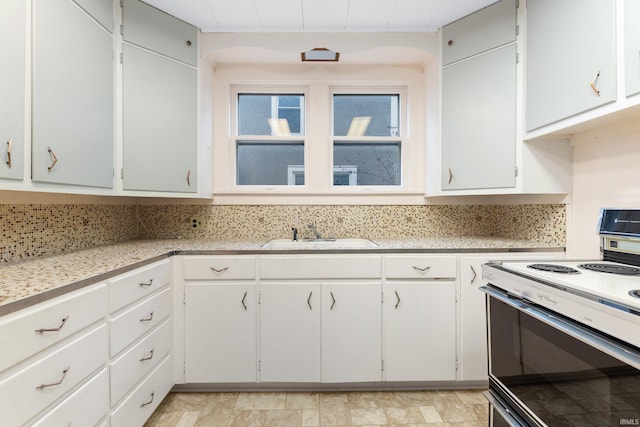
(19, 330)
(136, 285)
(160, 32)
(321, 267)
(141, 403)
(138, 320)
(136, 362)
(85, 406)
(219, 267)
(40, 384)
(421, 267)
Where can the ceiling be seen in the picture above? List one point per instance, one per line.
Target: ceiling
(319, 15)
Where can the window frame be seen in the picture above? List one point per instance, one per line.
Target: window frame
(402, 138)
(235, 138)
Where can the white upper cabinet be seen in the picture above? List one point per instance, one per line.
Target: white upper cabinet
(160, 101)
(73, 70)
(486, 29)
(571, 58)
(632, 47)
(13, 48)
(479, 121)
(157, 31)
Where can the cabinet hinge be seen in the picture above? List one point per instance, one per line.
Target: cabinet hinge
(121, 30)
(259, 298)
(517, 3)
(121, 58)
(122, 173)
(382, 297)
(121, 3)
(517, 58)
(259, 365)
(517, 30)
(184, 368)
(457, 365)
(382, 365)
(516, 171)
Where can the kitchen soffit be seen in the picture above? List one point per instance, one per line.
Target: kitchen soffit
(319, 15)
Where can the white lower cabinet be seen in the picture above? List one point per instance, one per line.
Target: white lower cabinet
(351, 332)
(146, 397)
(420, 331)
(290, 316)
(220, 332)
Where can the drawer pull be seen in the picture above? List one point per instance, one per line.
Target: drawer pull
(150, 401)
(242, 302)
(64, 374)
(450, 175)
(333, 301)
(147, 284)
(398, 298)
(54, 159)
(9, 144)
(64, 321)
(473, 270)
(150, 356)
(222, 270)
(421, 270)
(148, 318)
(593, 84)
(309, 300)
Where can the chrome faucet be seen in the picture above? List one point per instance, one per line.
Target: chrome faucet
(315, 231)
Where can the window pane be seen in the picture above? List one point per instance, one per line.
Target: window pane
(269, 114)
(270, 163)
(366, 115)
(372, 163)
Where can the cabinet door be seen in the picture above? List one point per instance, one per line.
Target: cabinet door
(420, 331)
(351, 332)
(570, 44)
(290, 332)
(473, 325)
(478, 121)
(493, 26)
(220, 333)
(13, 47)
(159, 123)
(72, 96)
(146, 26)
(632, 46)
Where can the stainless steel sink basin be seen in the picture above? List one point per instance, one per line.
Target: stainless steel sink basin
(288, 244)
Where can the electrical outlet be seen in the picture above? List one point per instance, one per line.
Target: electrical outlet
(197, 222)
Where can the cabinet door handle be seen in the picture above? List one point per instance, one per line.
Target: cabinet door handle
(149, 357)
(421, 270)
(148, 318)
(54, 159)
(473, 270)
(450, 175)
(242, 302)
(147, 284)
(189, 178)
(398, 300)
(333, 301)
(594, 82)
(150, 400)
(309, 300)
(222, 270)
(64, 374)
(9, 144)
(53, 329)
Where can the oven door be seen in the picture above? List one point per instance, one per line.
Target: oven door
(552, 371)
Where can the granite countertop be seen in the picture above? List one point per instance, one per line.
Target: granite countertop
(29, 282)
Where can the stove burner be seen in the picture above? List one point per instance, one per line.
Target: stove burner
(554, 268)
(635, 293)
(626, 270)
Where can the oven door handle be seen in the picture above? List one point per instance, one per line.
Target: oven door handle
(603, 343)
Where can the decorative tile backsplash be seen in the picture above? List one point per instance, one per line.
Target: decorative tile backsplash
(37, 230)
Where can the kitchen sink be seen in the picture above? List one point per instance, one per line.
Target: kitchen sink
(288, 244)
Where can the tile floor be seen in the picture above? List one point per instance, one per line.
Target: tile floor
(451, 408)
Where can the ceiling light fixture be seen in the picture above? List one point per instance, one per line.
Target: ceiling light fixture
(320, 54)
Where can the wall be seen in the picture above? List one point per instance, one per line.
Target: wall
(31, 230)
(606, 174)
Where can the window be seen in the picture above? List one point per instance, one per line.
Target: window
(366, 136)
(269, 138)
